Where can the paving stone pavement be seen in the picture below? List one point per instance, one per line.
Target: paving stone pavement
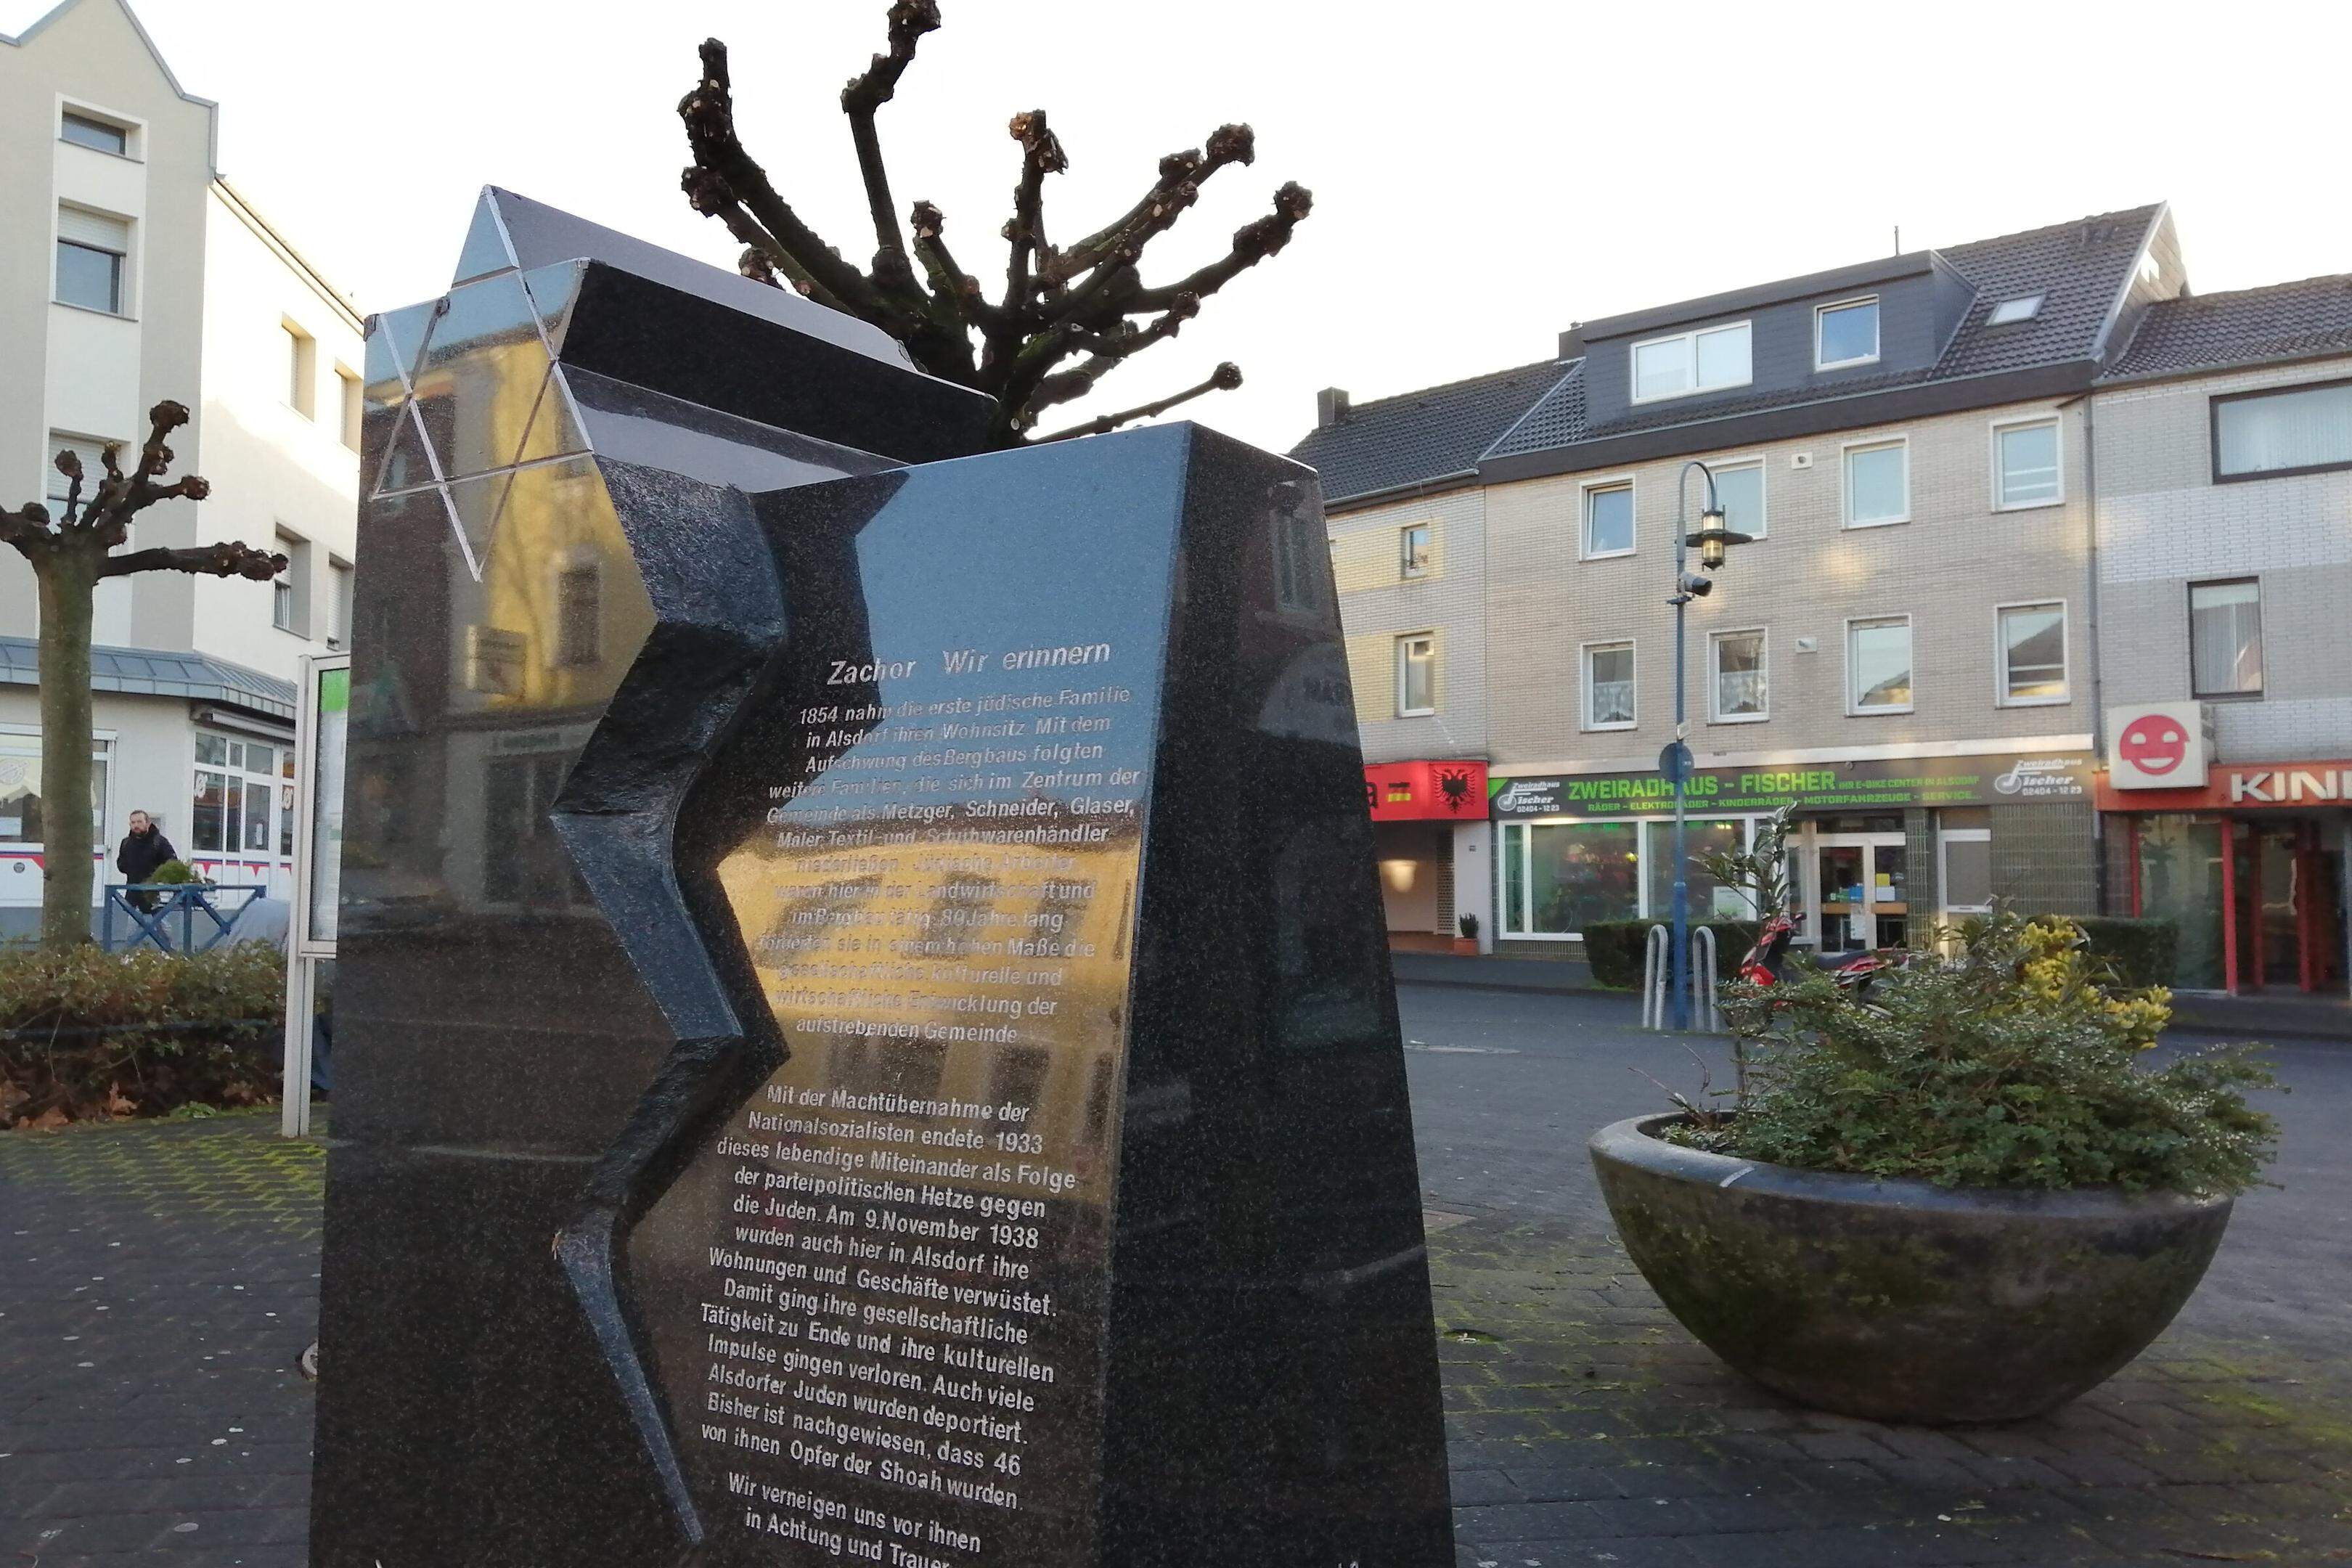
(158, 1284)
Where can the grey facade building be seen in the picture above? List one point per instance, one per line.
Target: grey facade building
(1912, 651)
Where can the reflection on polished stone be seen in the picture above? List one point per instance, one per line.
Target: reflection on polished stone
(864, 1021)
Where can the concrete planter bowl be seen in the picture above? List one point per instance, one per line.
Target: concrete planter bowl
(1901, 1301)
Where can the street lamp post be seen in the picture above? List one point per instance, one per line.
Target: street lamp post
(1713, 540)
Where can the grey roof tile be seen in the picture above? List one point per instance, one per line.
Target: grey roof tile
(2302, 319)
(1421, 436)
(195, 676)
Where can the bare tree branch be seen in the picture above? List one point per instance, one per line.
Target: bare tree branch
(27, 529)
(909, 20)
(1181, 176)
(1041, 154)
(1252, 243)
(227, 559)
(1224, 378)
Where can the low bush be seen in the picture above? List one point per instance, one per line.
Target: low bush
(2143, 952)
(2017, 1065)
(1616, 949)
(87, 1033)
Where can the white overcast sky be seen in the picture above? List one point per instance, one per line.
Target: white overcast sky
(1484, 172)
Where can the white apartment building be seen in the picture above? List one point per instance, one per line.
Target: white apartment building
(130, 272)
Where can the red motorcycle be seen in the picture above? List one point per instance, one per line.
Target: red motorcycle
(1767, 961)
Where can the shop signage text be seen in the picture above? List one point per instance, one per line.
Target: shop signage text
(2243, 786)
(1857, 786)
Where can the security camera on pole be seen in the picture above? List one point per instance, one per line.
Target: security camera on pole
(1713, 541)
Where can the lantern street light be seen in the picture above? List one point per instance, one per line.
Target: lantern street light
(1715, 541)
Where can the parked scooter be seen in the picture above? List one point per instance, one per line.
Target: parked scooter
(1767, 961)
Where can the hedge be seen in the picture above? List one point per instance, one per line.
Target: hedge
(2143, 951)
(89, 1035)
(1615, 949)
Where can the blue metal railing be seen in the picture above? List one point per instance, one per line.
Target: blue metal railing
(185, 899)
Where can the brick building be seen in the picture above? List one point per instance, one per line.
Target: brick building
(1910, 651)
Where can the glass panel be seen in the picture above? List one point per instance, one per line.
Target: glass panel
(232, 816)
(1739, 690)
(1968, 873)
(237, 754)
(1413, 558)
(1418, 687)
(1709, 899)
(85, 132)
(204, 817)
(579, 614)
(1582, 871)
(1876, 483)
(1741, 493)
(89, 277)
(1609, 683)
(2225, 637)
(213, 749)
(1844, 906)
(1515, 877)
(2033, 651)
(1723, 357)
(256, 816)
(1850, 332)
(286, 818)
(2028, 464)
(1878, 654)
(20, 792)
(2180, 881)
(1608, 520)
(2283, 431)
(2010, 310)
(1661, 369)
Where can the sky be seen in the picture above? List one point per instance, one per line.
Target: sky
(1485, 172)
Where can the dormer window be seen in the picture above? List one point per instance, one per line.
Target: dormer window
(2010, 312)
(1707, 360)
(1845, 333)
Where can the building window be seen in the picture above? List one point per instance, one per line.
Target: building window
(86, 130)
(92, 453)
(2032, 654)
(235, 790)
(289, 590)
(1608, 686)
(1558, 877)
(1845, 333)
(2301, 430)
(2010, 311)
(1878, 483)
(1608, 520)
(2225, 638)
(1964, 840)
(1878, 665)
(2025, 465)
(338, 603)
(1741, 696)
(301, 370)
(348, 386)
(1413, 549)
(23, 821)
(1416, 675)
(1706, 361)
(1739, 486)
(91, 252)
(578, 616)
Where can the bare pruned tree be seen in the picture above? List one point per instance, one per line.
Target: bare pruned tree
(1085, 301)
(70, 555)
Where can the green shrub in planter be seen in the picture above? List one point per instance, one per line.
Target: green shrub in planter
(2015, 1066)
(2142, 952)
(92, 1034)
(1617, 949)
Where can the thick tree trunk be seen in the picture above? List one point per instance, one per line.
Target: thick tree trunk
(68, 580)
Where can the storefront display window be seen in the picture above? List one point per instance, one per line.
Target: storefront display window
(235, 790)
(1709, 898)
(2180, 881)
(22, 819)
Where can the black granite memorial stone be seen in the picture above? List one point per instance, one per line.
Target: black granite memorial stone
(864, 1030)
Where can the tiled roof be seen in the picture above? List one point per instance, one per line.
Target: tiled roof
(2282, 322)
(2079, 269)
(142, 671)
(1420, 435)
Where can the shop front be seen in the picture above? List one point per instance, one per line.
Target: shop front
(1884, 853)
(2248, 859)
(1429, 835)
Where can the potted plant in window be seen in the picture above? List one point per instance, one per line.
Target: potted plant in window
(1966, 1199)
(1466, 944)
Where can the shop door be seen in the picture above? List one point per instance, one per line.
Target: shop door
(1857, 891)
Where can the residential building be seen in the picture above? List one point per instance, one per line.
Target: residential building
(2222, 439)
(1905, 652)
(151, 278)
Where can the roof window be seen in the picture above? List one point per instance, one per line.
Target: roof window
(2023, 309)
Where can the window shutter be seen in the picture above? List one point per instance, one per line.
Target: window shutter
(94, 228)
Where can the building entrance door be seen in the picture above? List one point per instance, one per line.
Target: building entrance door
(1856, 893)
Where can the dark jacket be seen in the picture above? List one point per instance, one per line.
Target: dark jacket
(141, 853)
